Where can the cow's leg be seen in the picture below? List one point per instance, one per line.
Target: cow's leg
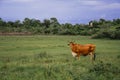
(78, 56)
(91, 56)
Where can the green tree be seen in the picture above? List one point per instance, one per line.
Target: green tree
(102, 21)
(46, 23)
(54, 21)
(116, 21)
(17, 23)
(27, 23)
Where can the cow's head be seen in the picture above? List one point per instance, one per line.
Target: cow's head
(71, 43)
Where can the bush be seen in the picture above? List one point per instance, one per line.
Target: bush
(111, 34)
(100, 34)
(114, 34)
(107, 70)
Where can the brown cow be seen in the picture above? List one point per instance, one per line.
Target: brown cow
(78, 50)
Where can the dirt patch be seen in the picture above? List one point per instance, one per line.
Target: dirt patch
(15, 33)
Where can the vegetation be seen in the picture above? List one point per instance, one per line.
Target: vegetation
(40, 57)
(97, 29)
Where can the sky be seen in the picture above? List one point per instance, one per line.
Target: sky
(66, 11)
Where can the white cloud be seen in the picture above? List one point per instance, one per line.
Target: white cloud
(66, 10)
(99, 4)
(103, 16)
(110, 6)
(91, 2)
(17, 1)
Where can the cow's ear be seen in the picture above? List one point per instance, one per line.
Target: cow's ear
(74, 41)
(68, 41)
(68, 44)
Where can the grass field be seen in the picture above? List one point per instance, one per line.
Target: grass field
(49, 58)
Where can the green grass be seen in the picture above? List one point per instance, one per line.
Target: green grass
(49, 58)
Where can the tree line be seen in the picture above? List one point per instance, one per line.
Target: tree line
(96, 28)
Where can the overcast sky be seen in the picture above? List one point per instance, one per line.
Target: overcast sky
(71, 11)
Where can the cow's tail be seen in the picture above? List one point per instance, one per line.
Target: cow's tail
(94, 57)
(92, 49)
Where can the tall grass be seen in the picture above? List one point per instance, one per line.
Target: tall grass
(49, 58)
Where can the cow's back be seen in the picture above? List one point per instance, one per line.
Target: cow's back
(81, 49)
(92, 47)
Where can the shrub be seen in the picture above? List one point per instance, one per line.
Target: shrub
(100, 35)
(107, 70)
(111, 34)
